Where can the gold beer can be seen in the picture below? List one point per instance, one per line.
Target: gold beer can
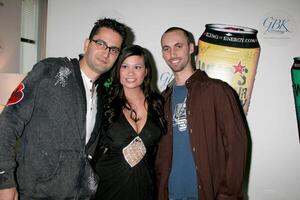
(230, 53)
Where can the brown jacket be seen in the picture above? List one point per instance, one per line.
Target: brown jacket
(218, 138)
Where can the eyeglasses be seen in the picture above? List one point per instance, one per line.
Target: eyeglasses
(102, 45)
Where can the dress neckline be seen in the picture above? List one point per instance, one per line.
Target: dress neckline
(137, 133)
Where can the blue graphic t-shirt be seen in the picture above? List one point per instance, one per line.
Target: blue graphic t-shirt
(183, 180)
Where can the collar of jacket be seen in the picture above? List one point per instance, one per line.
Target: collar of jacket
(197, 76)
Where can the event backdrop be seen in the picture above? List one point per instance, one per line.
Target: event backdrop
(275, 151)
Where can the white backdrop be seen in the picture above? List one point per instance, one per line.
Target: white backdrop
(275, 161)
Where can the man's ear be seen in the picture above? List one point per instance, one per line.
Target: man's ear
(86, 45)
(192, 48)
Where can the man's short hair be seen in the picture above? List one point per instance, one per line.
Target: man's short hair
(189, 36)
(111, 24)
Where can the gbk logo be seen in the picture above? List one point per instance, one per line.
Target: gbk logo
(164, 79)
(276, 25)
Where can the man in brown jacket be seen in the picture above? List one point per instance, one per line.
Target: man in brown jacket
(203, 154)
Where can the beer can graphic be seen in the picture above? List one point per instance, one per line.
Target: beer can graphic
(295, 71)
(230, 53)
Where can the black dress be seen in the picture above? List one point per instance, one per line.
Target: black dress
(118, 180)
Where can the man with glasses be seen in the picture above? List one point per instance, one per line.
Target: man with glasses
(52, 120)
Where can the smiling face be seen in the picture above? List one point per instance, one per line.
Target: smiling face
(132, 72)
(98, 59)
(176, 50)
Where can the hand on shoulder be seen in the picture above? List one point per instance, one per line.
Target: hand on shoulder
(1, 108)
(8, 194)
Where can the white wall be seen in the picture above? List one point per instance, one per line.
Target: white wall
(10, 20)
(29, 30)
(275, 161)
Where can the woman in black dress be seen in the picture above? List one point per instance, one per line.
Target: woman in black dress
(133, 123)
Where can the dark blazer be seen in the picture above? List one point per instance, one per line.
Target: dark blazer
(49, 123)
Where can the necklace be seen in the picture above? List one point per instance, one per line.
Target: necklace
(134, 116)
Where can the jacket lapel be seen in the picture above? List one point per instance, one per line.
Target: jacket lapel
(78, 100)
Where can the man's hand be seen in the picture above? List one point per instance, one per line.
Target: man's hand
(9, 194)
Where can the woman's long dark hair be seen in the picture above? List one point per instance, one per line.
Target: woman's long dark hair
(116, 100)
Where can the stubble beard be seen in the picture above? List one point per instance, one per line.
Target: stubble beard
(100, 69)
(177, 68)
